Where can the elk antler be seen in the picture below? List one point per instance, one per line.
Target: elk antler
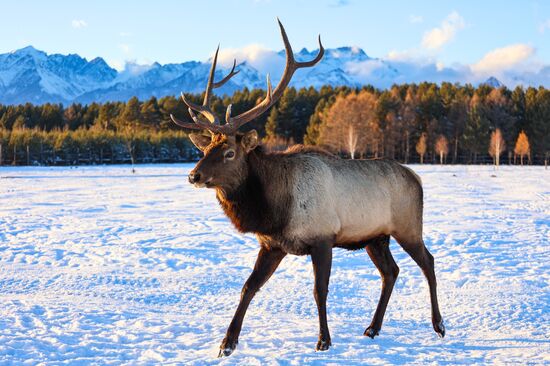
(204, 109)
(233, 123)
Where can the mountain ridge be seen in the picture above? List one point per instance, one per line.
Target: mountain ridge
(32, 75)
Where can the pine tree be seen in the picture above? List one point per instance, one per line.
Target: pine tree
(20, 123)
(106, 118)
(129, 121)
(150, 113)
(72, 116)
(476, 131)
(540, 124)
(271, 124)
(408, 114)
(51, 116)
(131, 114)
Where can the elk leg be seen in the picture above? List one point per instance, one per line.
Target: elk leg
(425, 261)
(267, 262)
(379, 252)
(321, 258)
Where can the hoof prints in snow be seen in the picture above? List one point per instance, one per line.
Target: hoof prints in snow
(94, 272)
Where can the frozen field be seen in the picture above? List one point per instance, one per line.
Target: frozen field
(101, 266)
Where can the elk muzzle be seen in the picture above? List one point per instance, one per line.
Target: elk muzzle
(194, 177)
(199, 180)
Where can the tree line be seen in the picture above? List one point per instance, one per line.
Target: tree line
(431, 123)
(422, 122)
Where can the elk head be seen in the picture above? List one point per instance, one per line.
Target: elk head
(225, 149)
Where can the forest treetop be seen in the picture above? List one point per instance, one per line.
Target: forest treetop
(389, 122)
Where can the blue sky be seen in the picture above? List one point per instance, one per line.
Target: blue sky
(444, 32)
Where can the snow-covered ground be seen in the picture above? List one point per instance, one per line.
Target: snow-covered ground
(98, 265)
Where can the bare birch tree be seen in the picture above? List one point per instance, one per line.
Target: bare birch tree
(442, 148)
(352, 140)
(496, 146)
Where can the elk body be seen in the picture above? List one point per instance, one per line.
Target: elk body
(306, 201)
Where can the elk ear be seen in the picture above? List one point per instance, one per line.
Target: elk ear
(200, 141)
(250, 140)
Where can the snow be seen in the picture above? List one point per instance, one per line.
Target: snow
(98, 265)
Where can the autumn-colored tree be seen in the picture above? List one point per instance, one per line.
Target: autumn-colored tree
(388, 125)
(522, 146)
(442, 147)
(350, 124)
(421, 147)
(496, 146)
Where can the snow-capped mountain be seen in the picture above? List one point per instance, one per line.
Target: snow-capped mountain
(30, 75)
(493, 82)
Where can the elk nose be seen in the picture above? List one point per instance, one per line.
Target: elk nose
(194, 177)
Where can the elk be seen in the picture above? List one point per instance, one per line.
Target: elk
(306, 201)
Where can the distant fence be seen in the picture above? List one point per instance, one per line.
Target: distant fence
(116, 155)
(73, 149)
(150, 154)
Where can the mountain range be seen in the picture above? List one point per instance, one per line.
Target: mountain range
(31, 75)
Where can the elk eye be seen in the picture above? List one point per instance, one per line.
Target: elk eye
(230, 154)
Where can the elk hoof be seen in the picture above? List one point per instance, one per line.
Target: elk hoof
(323, 345)
(371, 332)
(227, 347)
(440, 329)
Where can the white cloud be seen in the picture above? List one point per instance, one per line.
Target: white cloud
(512, 65)
(364, 69)
(438, 37)
(544, 26)
(135, 68)
(410, 55)
(116, 64)
(79, 23)
(125, 34)
(125, 48)
(259, 57)
(416, 19)
(252, 53)
(502, 59)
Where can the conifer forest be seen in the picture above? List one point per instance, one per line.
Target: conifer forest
(412, 123)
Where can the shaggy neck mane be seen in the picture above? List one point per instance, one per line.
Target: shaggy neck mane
(262, 202)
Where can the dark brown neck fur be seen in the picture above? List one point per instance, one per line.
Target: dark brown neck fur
(261, 204)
